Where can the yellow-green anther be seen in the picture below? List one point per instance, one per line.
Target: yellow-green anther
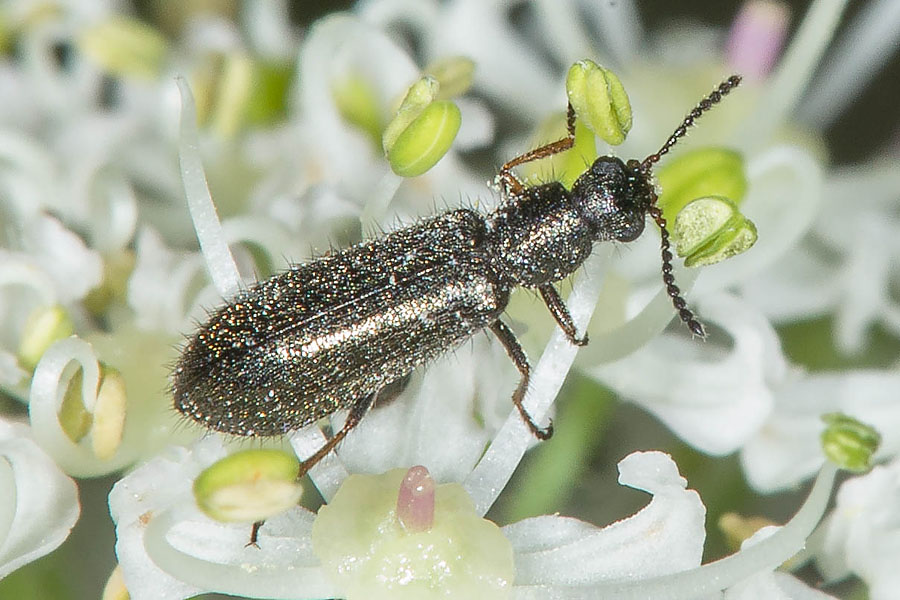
(42, 327)
(599, 99)
(74, 418)
(109, 413)
(702, 172)
(125, 46)
(358, 104)
(454, 75)
(423, 130)
(368, 554)
(248, 486)
(709, 230)
(849, 443)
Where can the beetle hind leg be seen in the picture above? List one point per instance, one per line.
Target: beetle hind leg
(386, 394)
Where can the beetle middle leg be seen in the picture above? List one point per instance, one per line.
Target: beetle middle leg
(561, 313)
(515, 352)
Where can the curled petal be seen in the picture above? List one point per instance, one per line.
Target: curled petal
(665, 537)
(38, 502)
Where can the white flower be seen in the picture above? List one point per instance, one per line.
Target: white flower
(168, 549)
(38, 503)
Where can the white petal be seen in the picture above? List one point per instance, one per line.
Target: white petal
(38, 502)
(169, 550)
(712, 400)
(74, 268)
(863, 534)
(774, 586)
(665, 537)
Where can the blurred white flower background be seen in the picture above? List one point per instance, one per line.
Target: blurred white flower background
(102, 276)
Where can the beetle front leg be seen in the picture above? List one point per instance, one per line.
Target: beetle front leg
(509, 183)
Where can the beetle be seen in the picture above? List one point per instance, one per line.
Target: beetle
(340, 331)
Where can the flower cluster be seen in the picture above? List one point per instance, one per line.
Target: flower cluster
(151, 166)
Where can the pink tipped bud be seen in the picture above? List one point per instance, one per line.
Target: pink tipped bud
(756, 37)
(415, 502)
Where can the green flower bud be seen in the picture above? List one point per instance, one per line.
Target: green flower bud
(248, 486)
(454, 75)
(709, 230)
(849, 443)
(599, 99)
(237, 90)
(125, 46)
(43, 327)
(737, 528)
(422, 131)
(369, 553)
(700, 173)
(109, 413)
(358, 104)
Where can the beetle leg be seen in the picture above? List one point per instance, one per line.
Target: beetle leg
(515, 352)
(357, 412)
(509, 183)
(561, 313)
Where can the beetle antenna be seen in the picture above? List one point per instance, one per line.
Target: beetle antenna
(678, 301)
(707, 103)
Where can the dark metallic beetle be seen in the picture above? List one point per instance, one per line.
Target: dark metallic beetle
(334, 333)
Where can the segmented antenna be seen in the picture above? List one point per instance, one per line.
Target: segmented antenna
(707, 103)
(674, 292)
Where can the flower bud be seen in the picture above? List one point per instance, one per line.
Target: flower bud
(454, 75)
(247, 486)
(43, 327)
(599, 100)
(849, 443)
(369, 551)
(109, 413)
(358, 104)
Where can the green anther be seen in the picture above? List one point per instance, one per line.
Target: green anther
(700, 173)
(248, 486)
(849, 443)
(73, 417)
(709, 230)
(358, 104)
(125, 46)
(454, 75)
(599, 99)
(268, 101)
(43, 327)
(422, 131)
(368, 554)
